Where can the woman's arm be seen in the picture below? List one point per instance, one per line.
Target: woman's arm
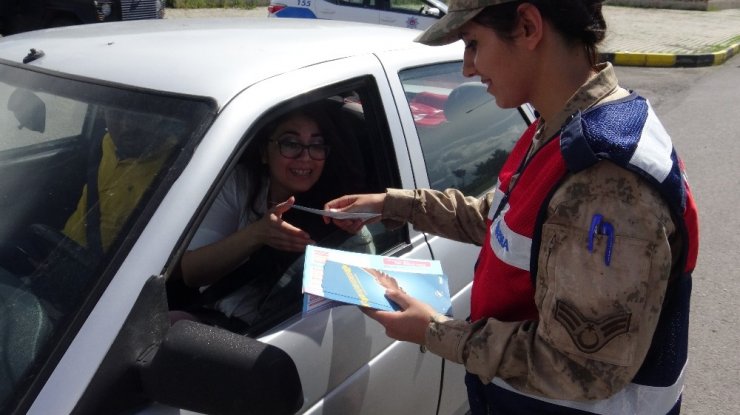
(209, 263)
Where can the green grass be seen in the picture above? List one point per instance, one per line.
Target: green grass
(724, 45)
(216, 4)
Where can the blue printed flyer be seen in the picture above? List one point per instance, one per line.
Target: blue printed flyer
(331, 276)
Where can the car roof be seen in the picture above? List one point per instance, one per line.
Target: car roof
(205, 57)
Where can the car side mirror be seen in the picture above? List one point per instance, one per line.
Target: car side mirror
(29, 110)
(210, 370)
(432, 11)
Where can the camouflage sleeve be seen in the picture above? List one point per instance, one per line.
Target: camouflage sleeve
(596, 320)
(449, 214)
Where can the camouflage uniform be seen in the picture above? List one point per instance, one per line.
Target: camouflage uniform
(546, 357)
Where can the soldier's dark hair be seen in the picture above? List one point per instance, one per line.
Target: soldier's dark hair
(579, 21)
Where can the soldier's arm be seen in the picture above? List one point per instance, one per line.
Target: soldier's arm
(449, 214)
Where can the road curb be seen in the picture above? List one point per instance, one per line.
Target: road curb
(670, 60)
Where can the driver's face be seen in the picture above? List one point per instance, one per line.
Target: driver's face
(132, 133)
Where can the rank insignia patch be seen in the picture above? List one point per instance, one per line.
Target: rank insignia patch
(590, 336)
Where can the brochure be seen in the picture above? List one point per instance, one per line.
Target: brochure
(332, 276)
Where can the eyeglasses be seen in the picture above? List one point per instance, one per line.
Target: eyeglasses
(292, 150)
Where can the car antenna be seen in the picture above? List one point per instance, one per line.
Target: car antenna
(33, 55)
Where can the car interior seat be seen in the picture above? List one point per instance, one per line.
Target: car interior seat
(350, 121)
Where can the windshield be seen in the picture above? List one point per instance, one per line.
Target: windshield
(80, 163)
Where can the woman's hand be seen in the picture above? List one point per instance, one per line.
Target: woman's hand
(275, 232)
(408, 325)
(363, 203)
(208, 264)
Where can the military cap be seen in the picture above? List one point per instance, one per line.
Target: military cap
(459, 12)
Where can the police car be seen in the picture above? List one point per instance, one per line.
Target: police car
(412, 14)
(85, 329)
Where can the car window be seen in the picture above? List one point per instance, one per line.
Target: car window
(80, 162)
(357, 3)
(360, 160)
(407, 6)
(464, 136)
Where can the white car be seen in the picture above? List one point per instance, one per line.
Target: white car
(412, 14)
(86, 331)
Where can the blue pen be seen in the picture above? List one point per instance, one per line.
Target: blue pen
(601, 227)
(593, 230)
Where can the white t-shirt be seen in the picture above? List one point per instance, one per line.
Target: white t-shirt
(230, 212)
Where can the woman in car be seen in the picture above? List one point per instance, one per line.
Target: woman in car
(581, 291)
(251, 235)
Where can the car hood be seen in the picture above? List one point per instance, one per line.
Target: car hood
(216, 58)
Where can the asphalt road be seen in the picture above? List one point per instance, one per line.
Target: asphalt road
(699, 109)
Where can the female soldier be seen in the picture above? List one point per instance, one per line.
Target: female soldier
(581, 291)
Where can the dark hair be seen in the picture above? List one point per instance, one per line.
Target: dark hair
(338, 175)
(579, 21)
